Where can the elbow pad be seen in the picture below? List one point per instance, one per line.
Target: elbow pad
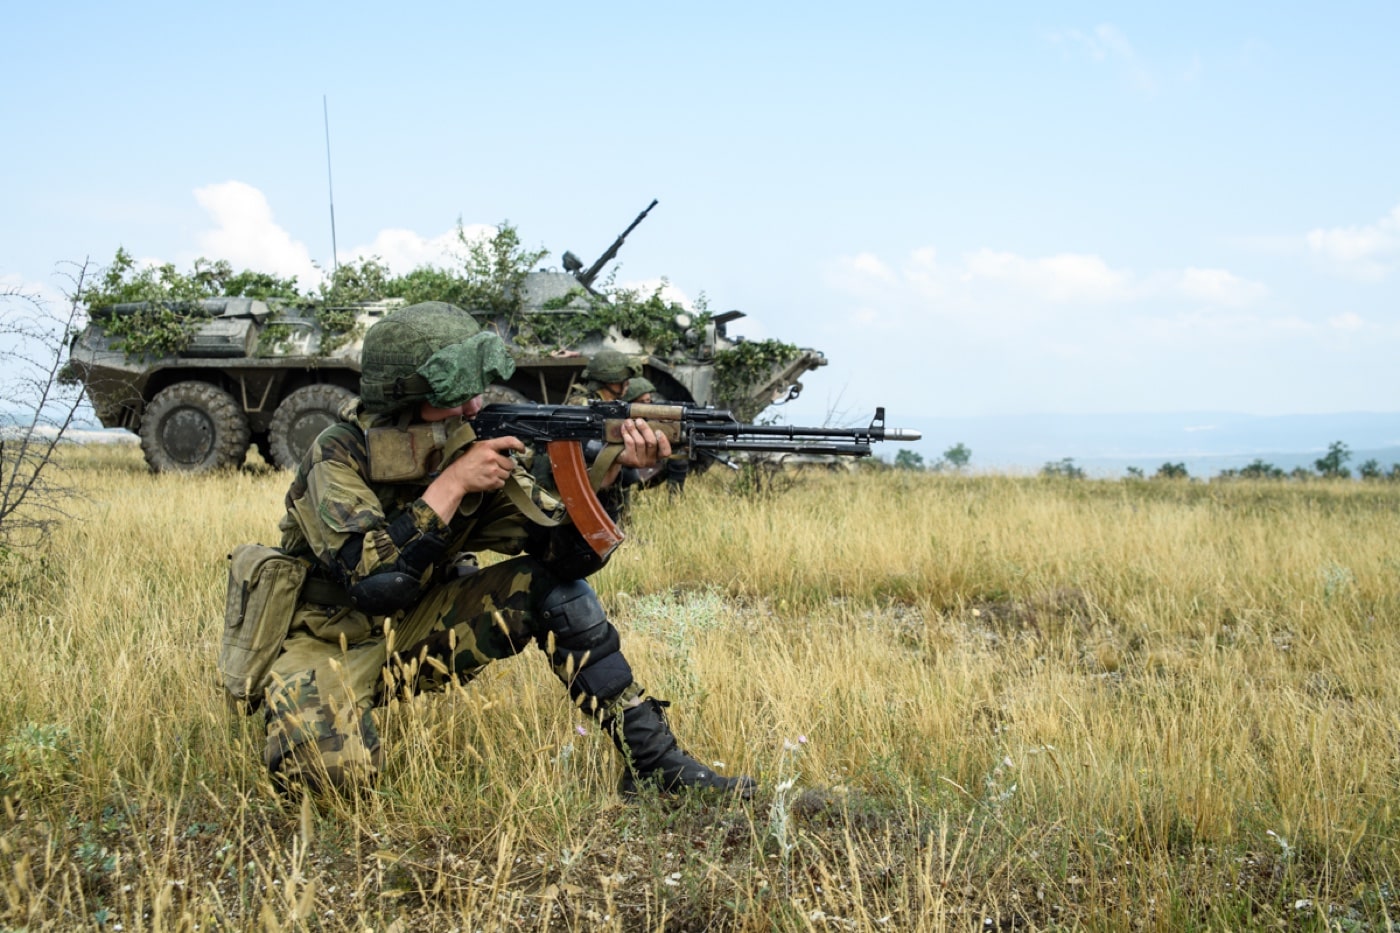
(417, 551)
(398, 588)
(385, 593)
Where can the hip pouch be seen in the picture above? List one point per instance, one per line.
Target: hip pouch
(264, 586)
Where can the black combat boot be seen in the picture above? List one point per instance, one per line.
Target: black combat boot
(651, 756)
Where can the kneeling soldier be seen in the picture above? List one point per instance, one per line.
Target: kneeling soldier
(383, 610)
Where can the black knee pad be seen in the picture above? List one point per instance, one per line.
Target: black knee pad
(585, 643)
(573, 613)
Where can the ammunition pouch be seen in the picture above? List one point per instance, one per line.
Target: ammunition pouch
(413, 452)
(264, 586)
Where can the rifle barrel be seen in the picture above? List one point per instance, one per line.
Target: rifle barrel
(706, 428)
(800, 433)
(760, 446)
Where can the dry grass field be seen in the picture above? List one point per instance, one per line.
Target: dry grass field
(972, 703)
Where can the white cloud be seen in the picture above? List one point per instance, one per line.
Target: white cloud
(983, 279)
(1219, 287)
(404, 250)
(1063, 278)
(669, 292)
(246, 234)
(1369, 252)
(1347, 320)
(1106, 43)
(45, 293)
(871, 265)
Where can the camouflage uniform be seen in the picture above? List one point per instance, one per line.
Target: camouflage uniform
(385, 612)
(339, 661)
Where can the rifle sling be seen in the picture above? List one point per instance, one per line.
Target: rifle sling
(603, 463)
(522, 501)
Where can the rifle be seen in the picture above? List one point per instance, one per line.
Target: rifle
(587, 276)
(419, 451)
(693, 430)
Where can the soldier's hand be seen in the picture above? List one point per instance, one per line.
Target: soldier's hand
(642, 446)
(485, 466)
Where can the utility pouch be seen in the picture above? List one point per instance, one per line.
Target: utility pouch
(404, 454)
(264, 586)
(408, 453)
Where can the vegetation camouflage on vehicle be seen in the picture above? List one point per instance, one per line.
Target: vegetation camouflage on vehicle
(204, 364)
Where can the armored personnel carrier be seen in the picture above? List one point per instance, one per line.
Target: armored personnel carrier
(271, 373)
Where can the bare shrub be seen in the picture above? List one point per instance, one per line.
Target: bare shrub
(41, 406)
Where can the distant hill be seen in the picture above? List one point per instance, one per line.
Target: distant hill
(1207, 442)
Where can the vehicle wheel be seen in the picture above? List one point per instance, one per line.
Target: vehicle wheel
(193, 427)
(496, 394)
(303, 415)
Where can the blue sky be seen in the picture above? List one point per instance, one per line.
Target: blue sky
(1017, 208)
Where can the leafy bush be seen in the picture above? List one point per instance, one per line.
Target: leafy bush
(37, 759)
(1172, 471)
(1064, 468)
(1333, 466)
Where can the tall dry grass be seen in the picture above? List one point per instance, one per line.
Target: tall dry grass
(969, 701)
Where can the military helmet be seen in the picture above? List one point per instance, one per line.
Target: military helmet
(433, 352)
(608, 366)
(637, 387)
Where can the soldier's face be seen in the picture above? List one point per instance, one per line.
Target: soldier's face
(467, 409)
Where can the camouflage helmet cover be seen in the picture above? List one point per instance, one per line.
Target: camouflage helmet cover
(608, 366)
(433, 352)
(637, 387)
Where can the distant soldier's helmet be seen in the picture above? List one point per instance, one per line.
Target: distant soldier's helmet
(637, 387)
(432, 352)
(608, 366)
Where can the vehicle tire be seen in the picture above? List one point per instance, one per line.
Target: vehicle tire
(193, 427)
(497, 394)
(303, 415)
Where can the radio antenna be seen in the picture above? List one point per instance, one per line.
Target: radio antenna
(330, 184)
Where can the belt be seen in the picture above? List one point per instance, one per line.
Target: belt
(325, 592)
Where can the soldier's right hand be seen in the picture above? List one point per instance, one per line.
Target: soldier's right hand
(485, 466)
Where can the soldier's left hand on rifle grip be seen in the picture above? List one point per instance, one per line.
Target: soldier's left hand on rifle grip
(642, 446)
